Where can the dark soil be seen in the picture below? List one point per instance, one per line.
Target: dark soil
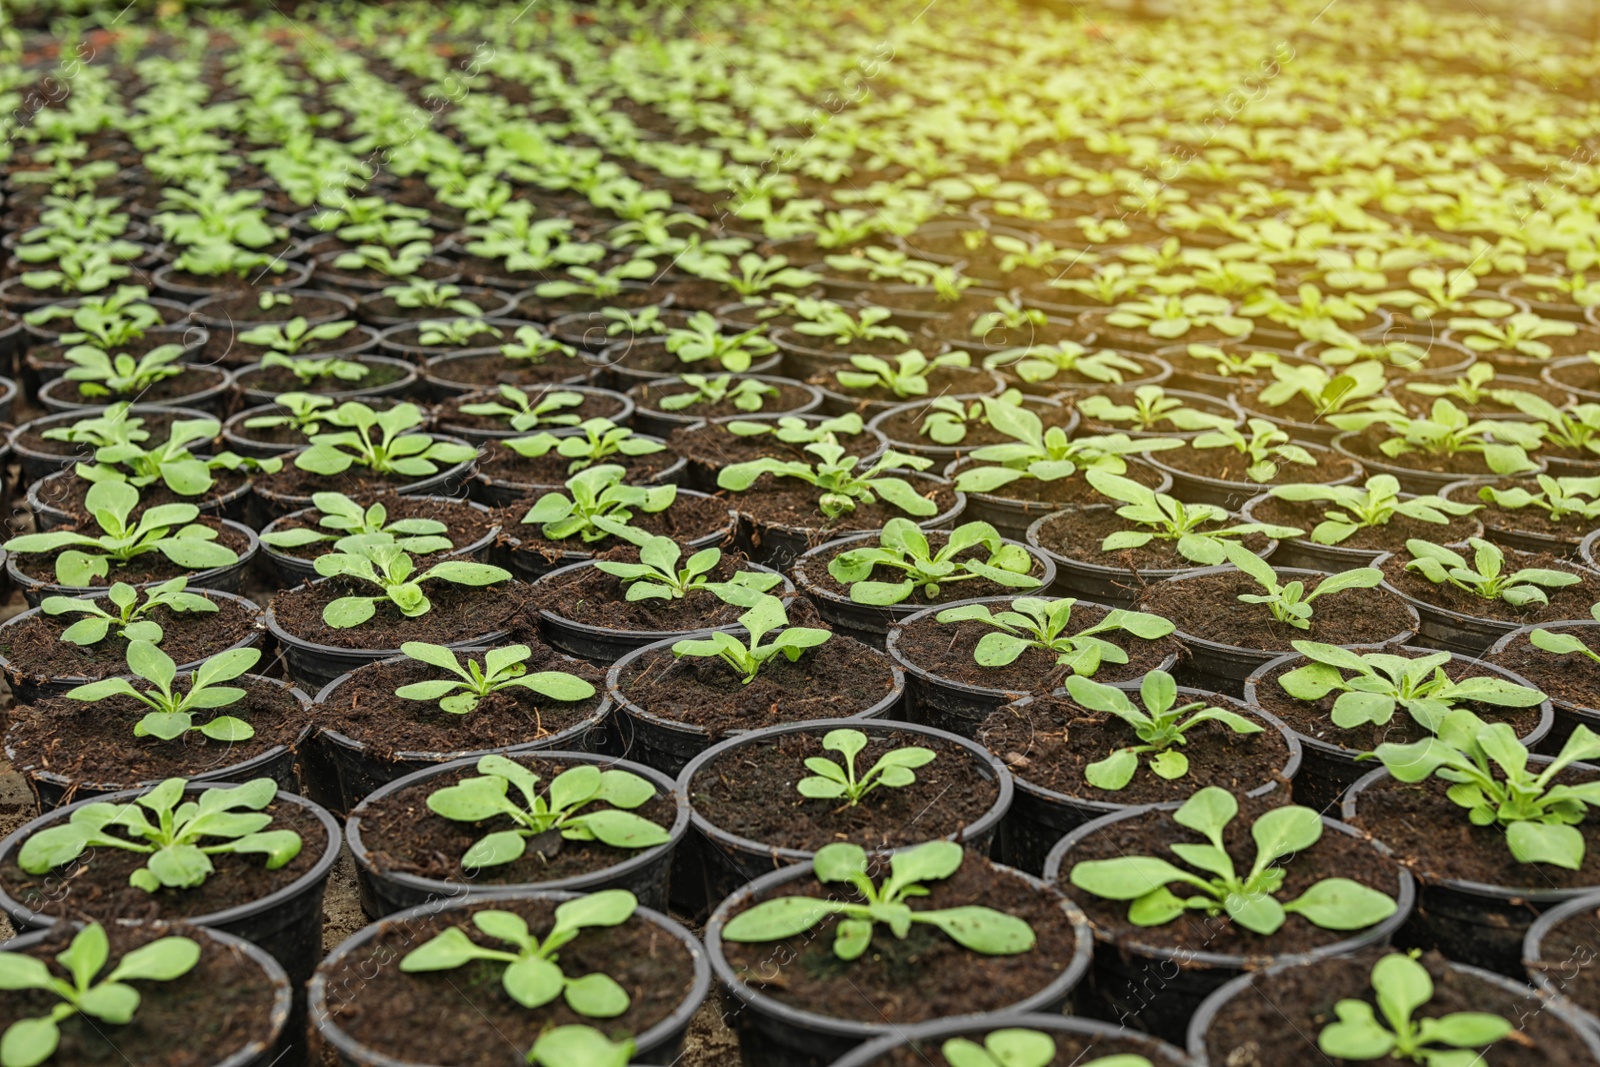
(1434, 837)
(688, 518)
(94, 742)
(1072, 490)
(1572, 528)
(943, 381)
(149, 567)
(649, 356)
(815, 570)
(750, 792)
(1072, 1050)
(1077, 533)
(714, 447)
(242, 308)
(1568, 602)
(459, 612)
(67, 494)
(174, 390)
(1461, 465)
(35, 649)
(1570, 680)
(1207, 606)
(403, 835)
(498, 463)
(222, 1005)
(276, 380)
(1050, 741)
(1314, 718)
(946, 650)
(358, 483)
(789, 502)
(649, 395)
(365, 709)
(906, 426)
(835, 680)
(1578, 376)
(96, 884)
(592, 597)
(493, 369)
(448, 416)
(1229, 465)
(441, 1017)
(1390, 537)
(1277, 1022)
(1333, 855)
(466, 524)
(923, 976)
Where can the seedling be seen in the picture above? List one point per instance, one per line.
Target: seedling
(130, 619)
(905, 377)
(657, 577)
(231, 817)
(1358, 387)
(1161, 727)
(102, 374)
(1265, 446)
(1565, 644)
(172, 715)
(794, 430)
(1368, 506)
(1226, 364)
(1290, 602)
(1045, 363)
(1492, 780)
(1171, 317)
(423, 293)
(1250, 901)
(120, 456)
(747, 394)
(290, 337)
(843, 480)
(525, 413)
(1013, 1047)
(1576, 429)
(366, 561)
(1558, 498)
(530, 346)
(703, 339)
(599, 506)
(1521, 334)
(502, 668)
(169, 529)
(379, 442)
(532, 976)
(1448, 432)
(983, 930)
(579, 1046)
(839, 326)
(342, 517)
(1471, 389)
(903, 546)
(305, 412)
(28, 1042)
(948, 419)
(1165, 518)
(1379, 682)
(1401, 985)
(1151, 407)
(309, 370)
(601, 439)
(764, 616)
(1046, 454)
(544, 821)
(1032, 622)
(895, 769)
(1486, 577)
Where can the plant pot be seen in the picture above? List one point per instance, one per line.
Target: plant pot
(208, 391)
(775, 1034)
(218, 579)
(275, 503)
(1329, 769)
(1305, 553)
(778, 544)
(1039, 815)
(37, 462)
(959, 707)
(668, 743)
(46, 496)
(1567, 680)
(1559, 947)
(718, 861)
(707, 447)
(377, 310)
(219, 310)
(1564, 544)
(1232, 495)
(870, 623)
(1413, 480)
(479, 430)
(890, 422)
(168, 282)
(959, 383)
(291, 570)
(493, 487)
(530, 558)
(635, 360)
(1078, 1040)
(1012, 515)
(285, 922)
(350, 970)
(1575, 374)
(386, 886)
(1141, 982)
(652, 420)
(403, 381)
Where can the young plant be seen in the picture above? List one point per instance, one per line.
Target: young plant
(172, 715)
(367, 561)
(948, 419)
(657, 577)
(1035, 452)
(1223, 363)
(763, 617)
(1160, 727)
(905, 377)
(980, 929)
(102, 374)
(525, 413)
(1486, 577)
(1249, 900)
(1358, 387)
(308, 370)
(1170, 317)
(1290, 602)
(1013, 1047)
(579, 1046)
(304, 412)
(502, 668)
(895, 769)
(169, 529)
(1448, 432)
(1378, 683)
(600, 439)
(424, 293)
(1045, 363)
(181, 840)
(379, 442)
(903, 546)
(544, 821)
(342, 517)
(1565, 644)
(1491, 779)
(1151, 407)
(747, 394)
(1032, 622)
(1401, 985)
(1164, 518)
(1521, 334)
(794, 430)
(129, 620)
(844, 482)
(703, 339)
(599, 506)
(1264, 447)
(1367, 507)
(532, 977)
(289, 338)
(29, 1042)
(1559, 498)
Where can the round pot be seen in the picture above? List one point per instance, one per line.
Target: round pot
(1201, 489)
(286, 923)
(652, 420)
(475, 435)
(218, 579)
(294, 276)
(615, 370)
(1576, 375)
(36, 464)
(1098, 1037)
(207, 313)
(1305, 553)
(1466, 491)
(1012, 516)
(1568, 713)
(402, 385)
(530, 566)
(1550, 975)
(943, 455)
(231, 505)
(500, 492)
(55, 394)
(438, 373)
(291, 570)
(1411, 479)
(448, 481)
(644, 873)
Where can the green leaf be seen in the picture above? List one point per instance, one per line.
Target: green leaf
(774, 920)
(596, 995)
(28, 1042)
(985, 930)
(1342, 904)
(532, 982)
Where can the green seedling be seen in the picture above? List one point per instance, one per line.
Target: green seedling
(1160, 727)
(1565, 644)
(766, 615)
(599, 506)
(1290, 602)
(380, 442)
(895, 769)
(1367, 507)
(746, 394)
(172, 714)
(501, 669)
(657, 576)
(843, 481)
(550, 408)
(903, 546)
(1013, 1047)
(129, 620)
(1401, 985)
(342, 517)
(1164, 518)
(600, 439)
(1486, 577)
(1032, 622)
(367, 562)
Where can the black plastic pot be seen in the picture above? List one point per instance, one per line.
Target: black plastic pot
(437, 372)
(204, 311)
(603, 645)
(1328, 769)
(292, 570)
(499, 492)
(1201, 489)
(532, 565)
(404, 384)
(491, 303)
(340, 771)
(662, 1042)
(286, 923)
(1106, 1039)
(652, 420)
(943, 455)
(716, 862)
(1568, 716)
(266, 1053)
(778, 546)
(870, 623)
(1411, 479)
(28, 688)
(837, 401)
(1157, 989)
(1039, 817)
(54, 395)
(234, 504)
(953, 706)
(667, 744)
(36, 464)
(1482, 925)
(1011, 516)
(773, 1034)
(448, 481)
(1589, 551)
(1466, 492)
(645, 873)
(1550, 976)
